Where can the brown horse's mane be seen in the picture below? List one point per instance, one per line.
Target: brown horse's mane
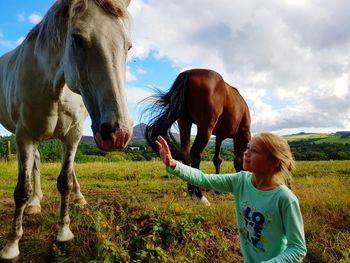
(51, 31)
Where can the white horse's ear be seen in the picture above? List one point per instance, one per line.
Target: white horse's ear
(64, 2)
(127, 2)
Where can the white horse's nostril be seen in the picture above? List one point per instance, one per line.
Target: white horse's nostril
(106, 130)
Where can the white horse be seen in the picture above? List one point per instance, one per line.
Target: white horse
(74, 58)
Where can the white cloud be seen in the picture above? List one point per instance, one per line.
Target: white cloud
(295, 2)
(19, 41)
(296, 52)
(129, 75)
(341, 86)
(21, 17)
(9, 44)
(140, 70)
(6, 43)
(136, 95)
(34, 18)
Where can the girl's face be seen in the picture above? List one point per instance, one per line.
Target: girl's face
(257, 158)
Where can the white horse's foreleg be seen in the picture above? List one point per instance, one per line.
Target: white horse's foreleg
(78, 197)
(34, 206)
(65, 183)
(23, 191)
(204, 201)
(10, 250)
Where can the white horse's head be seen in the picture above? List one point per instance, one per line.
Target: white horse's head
(96, 46)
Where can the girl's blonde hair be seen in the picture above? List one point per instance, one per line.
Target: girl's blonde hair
(279, 148)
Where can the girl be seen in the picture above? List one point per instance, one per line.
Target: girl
(267, 212)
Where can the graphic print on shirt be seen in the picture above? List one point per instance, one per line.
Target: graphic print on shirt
(254, 222)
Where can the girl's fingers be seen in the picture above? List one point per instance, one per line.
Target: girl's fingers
(159, 140)
(165, 144)
(162, 142)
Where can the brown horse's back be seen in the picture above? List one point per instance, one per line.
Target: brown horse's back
(235, 116)
(211, 102)
(205, 94)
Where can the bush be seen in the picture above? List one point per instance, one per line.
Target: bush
(116, 157)
(83, 158)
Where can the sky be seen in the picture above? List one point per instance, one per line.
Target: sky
(288, 58)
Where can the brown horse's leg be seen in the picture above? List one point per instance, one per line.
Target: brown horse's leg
(216, 159)
(240, 145)
(23, 191)
(198, 146)
(185, 126)
(195, 162)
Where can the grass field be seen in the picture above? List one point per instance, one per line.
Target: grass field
(334, 139)
(137, 213)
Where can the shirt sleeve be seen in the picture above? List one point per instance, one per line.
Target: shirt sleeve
(216, 182)
(294, 228)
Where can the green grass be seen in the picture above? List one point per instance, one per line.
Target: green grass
(138, 213)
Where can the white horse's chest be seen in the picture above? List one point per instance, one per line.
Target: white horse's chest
(46, 120)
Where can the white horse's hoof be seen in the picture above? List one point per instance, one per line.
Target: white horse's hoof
(80, 201)
(33, 210)
(204, 201)
(10, 251)
(64, 234)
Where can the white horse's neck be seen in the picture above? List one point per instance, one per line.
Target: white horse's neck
(46, 42)
(50, 64)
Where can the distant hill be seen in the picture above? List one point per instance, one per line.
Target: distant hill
(87, 139)
(304, 146)
(305, 136)
(340, 137)
(138, 132)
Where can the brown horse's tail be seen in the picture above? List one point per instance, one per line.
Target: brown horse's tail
(166, 109)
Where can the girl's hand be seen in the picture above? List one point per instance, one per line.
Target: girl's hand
(164, 152)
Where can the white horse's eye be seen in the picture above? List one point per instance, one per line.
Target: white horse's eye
(77, 41)
(130, 47)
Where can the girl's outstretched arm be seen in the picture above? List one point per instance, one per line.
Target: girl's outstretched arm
(221, 183)
(164, 152)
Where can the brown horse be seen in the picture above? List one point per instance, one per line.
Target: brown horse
(202, 97)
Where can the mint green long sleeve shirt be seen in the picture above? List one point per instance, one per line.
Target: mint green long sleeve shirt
(270, 223)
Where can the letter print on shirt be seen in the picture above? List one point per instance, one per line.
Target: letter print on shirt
(254, 223)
